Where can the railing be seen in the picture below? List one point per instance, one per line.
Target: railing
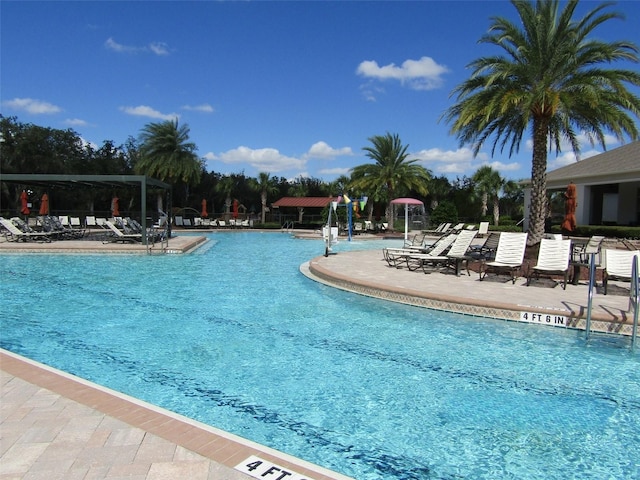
(592, 277)
(634, 299)
(288, 226)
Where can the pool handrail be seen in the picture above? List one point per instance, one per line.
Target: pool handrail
(592, 275)
(634, 299)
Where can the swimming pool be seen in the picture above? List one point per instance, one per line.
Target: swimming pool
(234, 336)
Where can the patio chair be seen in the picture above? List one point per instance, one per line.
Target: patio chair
(553, 259)
(581, 255)
(617, 265)
(14, 234)
(118, 235)
(487, 250)
(509, 256)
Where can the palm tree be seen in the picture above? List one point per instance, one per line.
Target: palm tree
(266, 186)
(391, 173)
(489, 183)
(166, 153)
(550, 80)
(226, 186)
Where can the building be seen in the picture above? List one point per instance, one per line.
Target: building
(608, 187)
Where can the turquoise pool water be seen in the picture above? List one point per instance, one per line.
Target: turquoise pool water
(234, 336)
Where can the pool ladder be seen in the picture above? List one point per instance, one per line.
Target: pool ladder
(634, 297)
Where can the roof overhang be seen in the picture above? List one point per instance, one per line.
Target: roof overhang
(69, 181)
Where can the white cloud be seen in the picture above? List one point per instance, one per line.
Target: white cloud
(146, 111)
(76, 122)
(422, 74)
(262, 159)
(324, 150)
(34, 107)
(157, 48)
(504, 167)
(204, 108)
(334, 171)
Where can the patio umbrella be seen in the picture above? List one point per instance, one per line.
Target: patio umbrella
(204, 213)
(115, 209)
(406, 202)
(24, 199)
(570, 204)
(235, 209)
(44, 205)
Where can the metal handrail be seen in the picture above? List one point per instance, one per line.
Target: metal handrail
(592, 276)
(634, 299)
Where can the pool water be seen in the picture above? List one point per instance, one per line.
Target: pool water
(236, 337)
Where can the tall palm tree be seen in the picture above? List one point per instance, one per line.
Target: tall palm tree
(266, 186)
(391, 174)
(167, 154)
(489, 183)
(226, 186)
(550, 80)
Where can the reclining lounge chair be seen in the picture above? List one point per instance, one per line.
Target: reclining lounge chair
(509, 256)
(553, 259)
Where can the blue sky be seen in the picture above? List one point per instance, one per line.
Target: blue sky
(290, 88)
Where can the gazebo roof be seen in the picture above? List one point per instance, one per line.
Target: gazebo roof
(310, 202)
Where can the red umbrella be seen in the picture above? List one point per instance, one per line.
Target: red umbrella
(235, 209)
(23, 201)
(570, 204)
(115, 209)
(44, 205)
(204, 213)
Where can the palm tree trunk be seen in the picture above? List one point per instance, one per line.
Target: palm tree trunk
(263, 199)
(496, 210)
(538, 208)
(484, 204)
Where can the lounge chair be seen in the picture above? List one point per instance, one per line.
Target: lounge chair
(416, 241)
(455, 255)
(436, 230)
(553, 259)
(483, 229)
(487, 250)
(76, 225)
(414, 260)
(178, 221)
(14, 234)
(617, 265)
(118, 235)
(509, 256)
(397, 255)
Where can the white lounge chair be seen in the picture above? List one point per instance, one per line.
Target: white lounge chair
(509, 256)
(397, 255)
(483, 229)
(553, 259)
(414, 260)
(456, 254)
(617, 265)
(118, 235)
(14, 234)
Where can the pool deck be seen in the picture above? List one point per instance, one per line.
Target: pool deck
(56, 426)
